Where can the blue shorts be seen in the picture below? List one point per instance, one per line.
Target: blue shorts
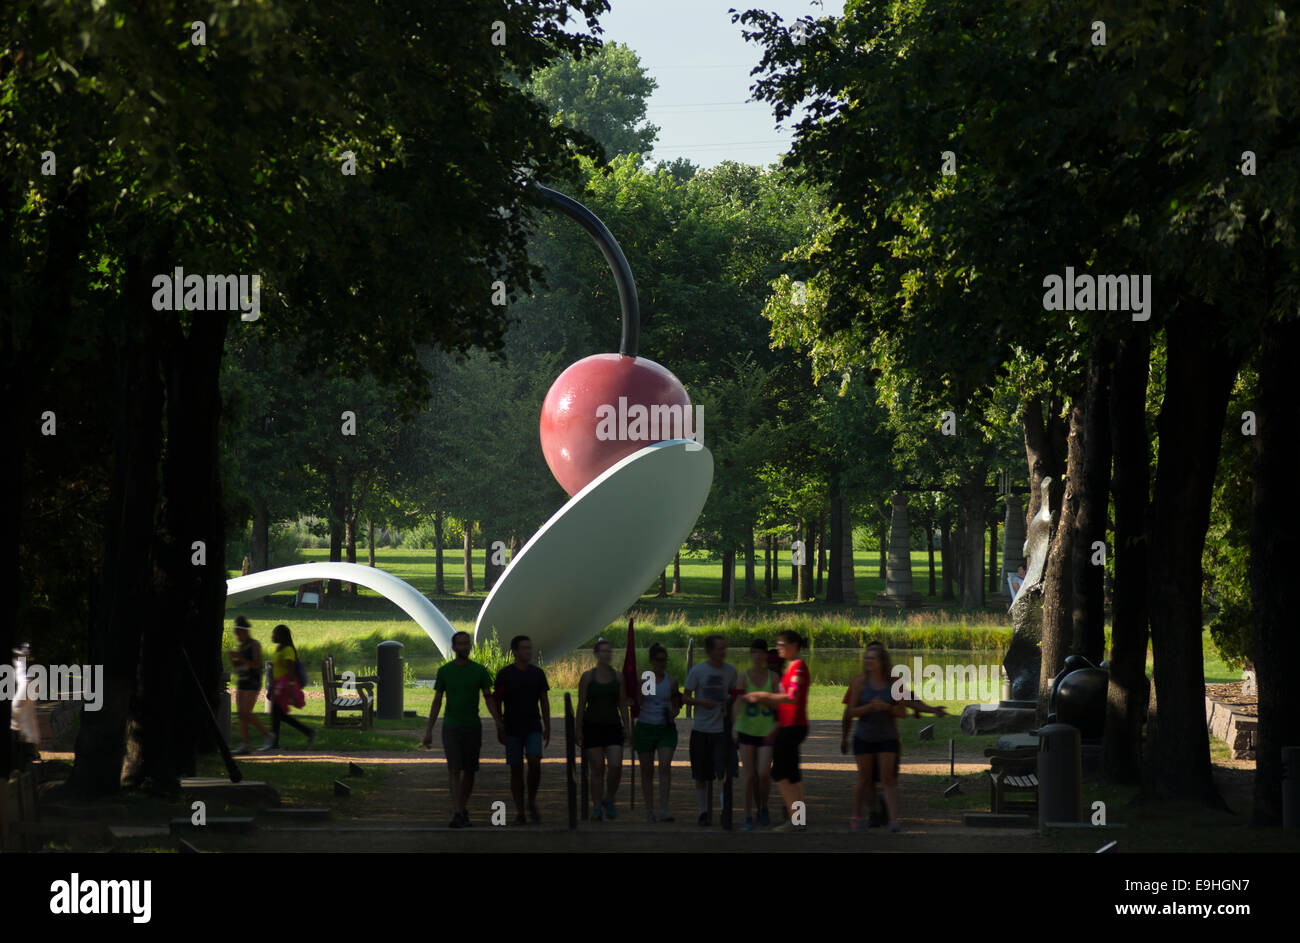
(519, 746)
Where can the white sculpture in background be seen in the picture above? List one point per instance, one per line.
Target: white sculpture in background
(584, 567)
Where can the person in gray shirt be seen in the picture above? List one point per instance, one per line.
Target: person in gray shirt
(710, 687)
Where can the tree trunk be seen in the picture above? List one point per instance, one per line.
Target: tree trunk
(491, 568)
(728, 573)
(370, 539)
(767, 567)
(945, 552)
(468, 528)
(835, 587)
(1198, 381)
(261, 539)
(677, 572)
(848, 573)
(1129, 689)
(804, 573)
(751, 592)
(338, 514)
(929, 546)
(973, 514)
(1275, 560)
(1088, 619)
(821, 551)
(350, 541)
(1058, 575)
(125, 599)
(663, 583)
(882, 532)
(439, 587)
(995, 558)
(171, 722)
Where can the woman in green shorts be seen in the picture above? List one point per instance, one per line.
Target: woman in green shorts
(753, 727)
(655, 732)
(603, 726)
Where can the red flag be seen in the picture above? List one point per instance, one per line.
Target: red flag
(631, 680)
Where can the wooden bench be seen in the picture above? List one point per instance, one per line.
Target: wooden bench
(360, 697)
(1013, 771)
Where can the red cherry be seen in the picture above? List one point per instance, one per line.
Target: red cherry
(570, 414)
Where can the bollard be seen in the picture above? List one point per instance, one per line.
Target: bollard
(1060, 775)
(570, 764)
(1291, 787)
(392, 681)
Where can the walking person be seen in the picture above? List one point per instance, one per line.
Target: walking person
(754, 728)
(709, 687)
(876, 746)
(461, 680)
(655, 733)
(286, 688)
(525, 725)
(791, 703)
(246, 659)
(604, 725)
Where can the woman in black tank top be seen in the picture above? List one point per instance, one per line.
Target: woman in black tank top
(246, 659)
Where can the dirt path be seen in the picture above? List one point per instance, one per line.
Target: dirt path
(410, 811)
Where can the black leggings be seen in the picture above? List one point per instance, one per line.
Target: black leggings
(278, 714)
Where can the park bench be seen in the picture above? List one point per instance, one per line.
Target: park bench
(310, 594)
(339, 696)
(1013, 771)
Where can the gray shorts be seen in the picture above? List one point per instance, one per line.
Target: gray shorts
(462, 745)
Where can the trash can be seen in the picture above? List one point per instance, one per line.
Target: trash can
(1060, 775)
(392, 681)
(1291, 787)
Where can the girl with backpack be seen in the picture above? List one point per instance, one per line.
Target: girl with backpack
(289, 677)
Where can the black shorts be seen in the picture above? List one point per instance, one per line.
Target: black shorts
(462, 745)
(874, 746)
(254, 685)
(752, 740)
(709, 756)
(601, 735)
(785, 754)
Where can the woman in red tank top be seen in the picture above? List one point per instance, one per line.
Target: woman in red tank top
(791, 704)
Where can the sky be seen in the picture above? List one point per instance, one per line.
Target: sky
(702, 63)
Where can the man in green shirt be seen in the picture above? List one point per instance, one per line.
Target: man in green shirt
(461, 680)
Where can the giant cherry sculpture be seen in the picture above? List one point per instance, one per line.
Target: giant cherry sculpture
(569, 412)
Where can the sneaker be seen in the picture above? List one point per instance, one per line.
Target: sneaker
(521, 819)
(748, 825)
(856, 824)
(464, 820)
(788, 826)
(895, 827)
(455, 822)
(268, 746)
(650, 815)
(704, 819)
(665, 815)
(763, 818)
(610, 812)
(242, 751)
(533, 814)
(596, 812)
